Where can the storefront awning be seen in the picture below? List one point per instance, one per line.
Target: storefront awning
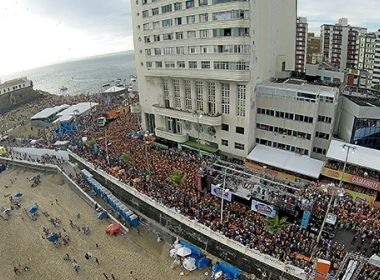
(285, 160)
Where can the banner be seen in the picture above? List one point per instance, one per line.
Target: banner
(305, 219)
(352, 179)
(262, 208)
(217, 191)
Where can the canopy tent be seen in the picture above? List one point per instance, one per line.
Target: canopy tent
(360, 156)
(114, 89)
(183, 252)
(374, 260)
(33, 210)
(230, 272)
(113, 229)
(286, 160)
(65, 118)
(48, 112)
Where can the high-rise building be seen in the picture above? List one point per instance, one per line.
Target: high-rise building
(313, 49)
(376, 67)
(365, 58)
(301, 44)
(338, 43)
(198, 63)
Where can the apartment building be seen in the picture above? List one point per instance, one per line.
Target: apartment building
(198, 63)
(301, 44)
(338, 43)
(313, 53)
(295, 116)
(376, 67)
(365, 58)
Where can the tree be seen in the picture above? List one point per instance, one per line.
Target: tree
(126, 157)
(176, 177)
(276, 224)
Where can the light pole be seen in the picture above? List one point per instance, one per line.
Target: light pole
(106, 144)
(345, 148)
(199, 115)
(224, 191)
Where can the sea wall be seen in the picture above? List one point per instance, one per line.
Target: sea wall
(250, 261)
(9, 101)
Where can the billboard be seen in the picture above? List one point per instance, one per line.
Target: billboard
(263, 209)
(217, 191)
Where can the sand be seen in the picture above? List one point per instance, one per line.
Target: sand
(21, 239)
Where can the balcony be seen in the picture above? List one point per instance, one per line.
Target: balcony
(179, 138)
(188, 116)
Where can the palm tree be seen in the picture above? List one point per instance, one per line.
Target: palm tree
(276, 224)
(126, 158)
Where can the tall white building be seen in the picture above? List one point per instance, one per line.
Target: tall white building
(365, 58)
(376, 67)
(338, 43)
(198, 63)
(301, 44)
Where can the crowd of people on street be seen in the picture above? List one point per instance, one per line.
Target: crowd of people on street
(353, 169)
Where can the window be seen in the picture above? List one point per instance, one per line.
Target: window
(169, 64)
(322, 135)
(211, 98)
(179, 35)
(155, 11)
(156, 24)
(188, 104)
(157, 51)
(177, 6)
(203, 2)
(148, 64)
(168, 51)
(239, 146)
(158, 64)
(319, 150)
(199, 94)
(192, 50)
(191, 34)
(180, 64)
(156, 38)
(241, 99)
(225, 127)
(180, 50)
(224, 142)
(204, 49)
(147, 39)
(148, 52)
(205, 64)
(193, 64)
(146, 26)
(177, 95)
(203, 33)
(165, 87)
(167, 36)
(145, 14)
(240, 130)
(167, 22)
(225, 98)
(178, 21)
(166, 8)
(324, 119)
(229, 15)
(203, 17)
(190, 19)
(189, 4)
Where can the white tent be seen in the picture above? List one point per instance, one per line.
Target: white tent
(114, 89)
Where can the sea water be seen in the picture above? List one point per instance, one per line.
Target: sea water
(82, 76)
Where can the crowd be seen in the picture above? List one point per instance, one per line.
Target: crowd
(354, 170)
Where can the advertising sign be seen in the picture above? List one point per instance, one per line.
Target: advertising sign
(305, 219)
(263, 209)
(217, 191)
(352, 179)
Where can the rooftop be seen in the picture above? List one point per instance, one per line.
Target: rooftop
(364, 101)
(361, 156)
(13, 82)
(48, 112)
(78, 109)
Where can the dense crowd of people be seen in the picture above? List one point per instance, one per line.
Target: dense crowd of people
(353, 169)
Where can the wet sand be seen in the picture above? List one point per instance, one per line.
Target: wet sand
(21, 239)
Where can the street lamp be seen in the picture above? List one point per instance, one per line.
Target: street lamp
(199, 115)
(224, 191)
(346, 148)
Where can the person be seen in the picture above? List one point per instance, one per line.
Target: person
(78, 216)
(105, 276)
(16, 270)
(113, 277)
(96, 260)
(96, 245)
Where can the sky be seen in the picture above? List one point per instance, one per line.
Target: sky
(41, 32)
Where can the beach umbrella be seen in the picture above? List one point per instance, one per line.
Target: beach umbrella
(183, 252)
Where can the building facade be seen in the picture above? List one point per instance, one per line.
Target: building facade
(313, 53)
(376, 67)
(365, 58)
(301, 44)
(14, 85)
(338, 43)
(296, 117)
(198, 63)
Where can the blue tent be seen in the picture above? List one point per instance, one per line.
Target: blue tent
(18, 195)
(134, 221)
(52, 237)
(33, 210)
(228, 270)
(202, 262)
(195, 251)
(103, 215)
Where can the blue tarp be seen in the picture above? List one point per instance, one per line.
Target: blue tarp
(18, 195)
(230, 272)
(33, 209)
(202, 262)
(52, 237)
(195, 251)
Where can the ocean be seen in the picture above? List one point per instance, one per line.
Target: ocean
(82, 76)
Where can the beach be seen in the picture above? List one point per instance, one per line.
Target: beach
(23, 242)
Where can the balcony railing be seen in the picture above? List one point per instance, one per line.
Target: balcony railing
(210, 120)
(179, 138)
